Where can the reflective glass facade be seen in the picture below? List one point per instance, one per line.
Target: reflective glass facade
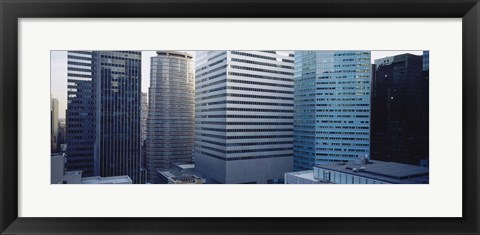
(117, 77)
(170, 123)
(400, 109)
(80, 113)
(332, 107)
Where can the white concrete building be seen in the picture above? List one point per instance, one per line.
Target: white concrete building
(244, 115)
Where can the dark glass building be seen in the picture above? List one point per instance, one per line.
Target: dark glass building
(103, 113)
(117, 76)
(399, 110)
(80, 113)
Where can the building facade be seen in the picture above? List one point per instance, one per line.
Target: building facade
(364, 171)
(332, 107)
(143, 117)
(244, 115)
(117, 76)
(80, 113)
(170, 123)
(54, 125)
(400, 109)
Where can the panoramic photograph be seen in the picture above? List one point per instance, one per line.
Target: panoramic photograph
(239, 117)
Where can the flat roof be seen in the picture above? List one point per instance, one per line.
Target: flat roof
(307, 175)
(123, 179)
(392, 172)
(186, 166)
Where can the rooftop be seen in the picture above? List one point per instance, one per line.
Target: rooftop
(124, 179)
(391, 172)
(302, 177)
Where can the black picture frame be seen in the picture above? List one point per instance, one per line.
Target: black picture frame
(12, 10)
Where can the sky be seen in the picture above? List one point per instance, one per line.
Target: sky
(58, 72)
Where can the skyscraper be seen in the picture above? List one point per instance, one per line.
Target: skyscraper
(80, 113)
(332, 107)
(143, 117)
(103, 113)
(143, 135)
(54, 124)
(400, 109)
(117, 79)
(244, 115)
(170, 124)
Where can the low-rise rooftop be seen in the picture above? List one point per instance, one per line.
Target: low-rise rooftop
(124, 179)
(391, 172)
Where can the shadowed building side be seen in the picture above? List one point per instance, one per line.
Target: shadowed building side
(400, 110)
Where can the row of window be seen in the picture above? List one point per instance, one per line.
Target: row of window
(246, 144)
(246, 116)
(245, 130)
(247, 137)
(245, 150)
(244, 102)
(246, 123)
(244, 158)
(246, 110)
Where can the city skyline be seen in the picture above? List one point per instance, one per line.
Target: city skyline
(58, 71)
(244, 117)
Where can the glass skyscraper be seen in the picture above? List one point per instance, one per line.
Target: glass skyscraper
(400, 109)
(332, 107)
(170, 123)
(244, 116)
(117, 76)
(80, 113)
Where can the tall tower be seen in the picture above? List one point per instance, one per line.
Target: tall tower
(117, 76)
(80, 113)
(54, 124)
(170, 123)
(400, 109)
(332, 107)
(244, 115)
(144, 116)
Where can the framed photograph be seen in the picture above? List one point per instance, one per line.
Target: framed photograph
(228, 117)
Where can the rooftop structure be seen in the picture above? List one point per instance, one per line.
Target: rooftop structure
(364, 171)
(302, 177)
(124, 179)
(179, 173)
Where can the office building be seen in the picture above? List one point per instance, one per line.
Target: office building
(54, 124)
(61, 133)
(80, 113)
(143, 117)
(117, 76)
(400, 110)
(332, 107)
(103, 113)
(58, 173)
(170, 123)
(244, 116)
(364, 171)
(60, 176)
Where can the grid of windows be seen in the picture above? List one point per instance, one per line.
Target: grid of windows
(332, 95)
(243, 105)
(80, 113)
(170, 124)
(117, 76)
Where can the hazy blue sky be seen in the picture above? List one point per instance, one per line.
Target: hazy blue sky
(58, 71)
